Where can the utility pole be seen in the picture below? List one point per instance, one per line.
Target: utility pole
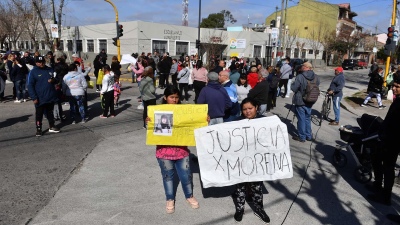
(284, 31)
(198, 33)
(281, 29)
(375, 40)
(393, 22)
(276, 41)
(117, 26)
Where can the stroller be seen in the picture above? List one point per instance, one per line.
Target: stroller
(362, 143)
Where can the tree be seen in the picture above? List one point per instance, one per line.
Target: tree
(315, 37)
(212, 46)
(217, 20)
(11, 21)
(228, 17)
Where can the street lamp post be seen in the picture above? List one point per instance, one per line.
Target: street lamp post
(117, 27)
(198, 31)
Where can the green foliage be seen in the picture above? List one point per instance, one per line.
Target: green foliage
(217, 20)
(381, 54)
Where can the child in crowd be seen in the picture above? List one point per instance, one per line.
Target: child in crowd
(171, 158)
(117, 91)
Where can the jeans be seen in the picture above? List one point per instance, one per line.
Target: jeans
(217, 120)
(76, 101)
(303, 114)
(174, 79)
(336, 107)
(184, 87)
(182, 167)
(370, 95)
(20, 89)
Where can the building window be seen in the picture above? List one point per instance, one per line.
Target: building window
(69, 45)
(90, 45)
(182, 48)
(26, 44)
(310, 52)
(79, 45)
(160, 46)
(42, 45)
(316, 52)
(303, 54)
(257, 51)
(296, 53)
(103, 44)
(61, 45)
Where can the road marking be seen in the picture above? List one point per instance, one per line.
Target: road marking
(107, 221)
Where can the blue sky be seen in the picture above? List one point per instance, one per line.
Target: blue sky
(83, 12)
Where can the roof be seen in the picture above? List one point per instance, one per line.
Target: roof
(344, 5)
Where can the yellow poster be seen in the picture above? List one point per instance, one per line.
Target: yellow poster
(172, 124)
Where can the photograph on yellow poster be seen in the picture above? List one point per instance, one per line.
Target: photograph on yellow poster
(172, 124)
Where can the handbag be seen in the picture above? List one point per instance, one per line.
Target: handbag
(100, 77)
(90, 84)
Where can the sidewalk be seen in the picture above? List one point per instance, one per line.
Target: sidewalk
(120, 183)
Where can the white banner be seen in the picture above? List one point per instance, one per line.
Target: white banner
(54, 30)
(127, 59)
(243, 151)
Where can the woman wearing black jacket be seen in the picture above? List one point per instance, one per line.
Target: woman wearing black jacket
(97, 64)
(18, 75)
(375, 87)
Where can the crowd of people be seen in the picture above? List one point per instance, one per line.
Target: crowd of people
(233, 89)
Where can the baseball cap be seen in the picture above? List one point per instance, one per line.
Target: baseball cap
(340, 69)
(39, 59)
(212, 76)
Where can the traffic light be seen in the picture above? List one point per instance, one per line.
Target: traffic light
(390, 45)
(115, 41)
(197, 44)
(273, 23)
(390, 35)
(120, 30)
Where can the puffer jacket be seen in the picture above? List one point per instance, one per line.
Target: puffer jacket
(299, 86)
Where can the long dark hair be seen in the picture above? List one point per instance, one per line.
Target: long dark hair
(243, 77)
(249, 100)
(171, 90)
(199, 64)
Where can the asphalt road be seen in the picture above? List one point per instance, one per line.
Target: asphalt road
(33, 169)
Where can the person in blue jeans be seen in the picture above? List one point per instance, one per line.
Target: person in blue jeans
(336, 90)
(302, 108)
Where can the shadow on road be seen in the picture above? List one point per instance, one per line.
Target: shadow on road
(11, 121)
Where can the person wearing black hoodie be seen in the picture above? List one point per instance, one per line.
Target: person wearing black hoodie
(18, 76)
(375, 87)
(302, 108)
(385, 160)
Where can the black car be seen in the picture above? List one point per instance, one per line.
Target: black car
(350, 64)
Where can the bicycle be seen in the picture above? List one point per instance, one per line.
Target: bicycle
(326, 108)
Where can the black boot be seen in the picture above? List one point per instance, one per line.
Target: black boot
(238, 215)
(262, 215)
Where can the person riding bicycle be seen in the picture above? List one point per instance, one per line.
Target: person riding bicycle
(336, 90)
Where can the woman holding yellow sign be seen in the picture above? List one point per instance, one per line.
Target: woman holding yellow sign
(171, 158)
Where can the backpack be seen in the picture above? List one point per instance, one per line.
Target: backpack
(311, 92)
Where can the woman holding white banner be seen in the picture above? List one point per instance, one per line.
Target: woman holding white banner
(253, 190)
(175, 158)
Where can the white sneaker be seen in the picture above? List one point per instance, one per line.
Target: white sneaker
(97, 91)
(24, 100)
(17, 101)
(287, 96)
(140, 106)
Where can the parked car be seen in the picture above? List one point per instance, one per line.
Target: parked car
(350, 64)
(362, 64)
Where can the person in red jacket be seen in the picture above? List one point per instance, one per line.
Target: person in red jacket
(252, 77)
